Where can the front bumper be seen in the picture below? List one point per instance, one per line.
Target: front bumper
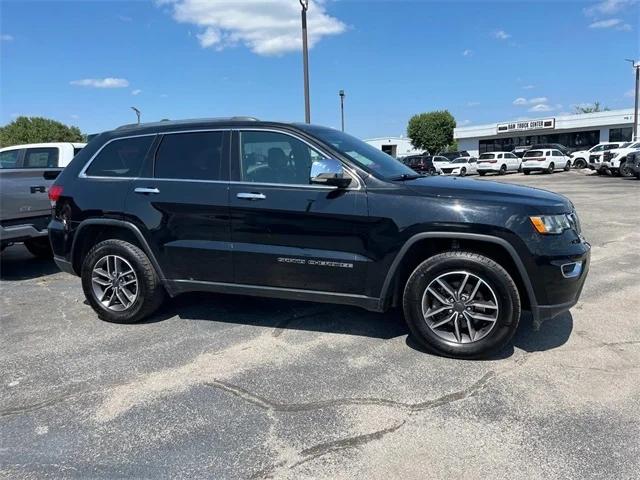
(563, 282)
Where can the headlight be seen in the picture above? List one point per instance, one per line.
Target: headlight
(551, 224)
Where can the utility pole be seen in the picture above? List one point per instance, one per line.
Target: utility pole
(636, 66)
(137, 113)
(341, 93)
(305, 58)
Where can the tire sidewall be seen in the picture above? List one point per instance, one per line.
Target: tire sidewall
(498, 279)
(124, 250)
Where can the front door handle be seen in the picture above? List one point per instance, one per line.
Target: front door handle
(146, 190)
(251, 196)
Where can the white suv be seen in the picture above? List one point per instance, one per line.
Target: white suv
(498, 162)
(545, 160)
(580, 159)
(615, 158)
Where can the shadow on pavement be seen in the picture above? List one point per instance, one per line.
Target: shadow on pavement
(16, 263)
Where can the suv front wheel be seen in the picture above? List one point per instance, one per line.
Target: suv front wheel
(120, 282)
(461, 304)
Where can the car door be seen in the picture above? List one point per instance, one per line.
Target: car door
(286, 232)
(181, 201)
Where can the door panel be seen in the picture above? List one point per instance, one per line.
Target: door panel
(187, 219)
(290, 234)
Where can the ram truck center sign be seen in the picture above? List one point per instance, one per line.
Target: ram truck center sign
(525, 125)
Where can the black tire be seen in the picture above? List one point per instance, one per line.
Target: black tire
(463, 172)
(503, 170)
(150, 292)
(432, 171)
(567, 166)
(526, 172)
(579, 163)
(507, 296)
(482, 174)
(551, 169)
(520, 168)
(39, 247)
(625, 170)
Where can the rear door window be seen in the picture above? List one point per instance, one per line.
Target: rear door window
(46, 157)
(191, 156)
(120, 158)
(9, 158)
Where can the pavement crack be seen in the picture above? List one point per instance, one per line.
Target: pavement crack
(37, 406)
(267, 404)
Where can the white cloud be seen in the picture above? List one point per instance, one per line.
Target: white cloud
(608, 7)
(467, 53)
(473, 104)
(528, 87)
(266, 27)
(125, 18)
(531, 101)
(137, 91)
(163, 95)
(5, 37)
(463, 123)
(74, 116)
(501, 35)
(630, 93)
(541, 107)
(108, 82)
(616, 23)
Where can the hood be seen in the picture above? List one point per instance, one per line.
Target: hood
(469, 189)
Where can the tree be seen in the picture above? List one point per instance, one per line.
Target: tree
(432, 131)
(37, 130)
(591, 108)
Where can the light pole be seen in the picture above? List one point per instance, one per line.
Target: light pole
(305, 59)
(636, 66)
(137, 113)
(341, 93)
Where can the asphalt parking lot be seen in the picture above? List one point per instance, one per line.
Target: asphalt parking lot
(235, 387)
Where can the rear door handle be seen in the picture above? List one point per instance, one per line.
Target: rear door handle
(146, 190)
(251, 196)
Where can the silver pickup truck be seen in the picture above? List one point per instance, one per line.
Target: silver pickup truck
(26, 172)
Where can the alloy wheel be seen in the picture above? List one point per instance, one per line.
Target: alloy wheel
(460, 307)
(114, 283)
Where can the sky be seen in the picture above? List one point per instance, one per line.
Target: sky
(86, 63)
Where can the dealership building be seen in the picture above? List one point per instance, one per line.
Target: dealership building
(395, 146)
(577, 132)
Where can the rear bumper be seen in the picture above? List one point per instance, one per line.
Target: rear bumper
(489, 168)
(20, 233)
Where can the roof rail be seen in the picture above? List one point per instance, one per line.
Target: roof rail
(245, 118)
(179, 122)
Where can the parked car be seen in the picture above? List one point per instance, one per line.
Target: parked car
(556, 146)
(461, 167)
(498, 162)
(582, 158)
(422, 164)
(519, 151)
(26, 172)
(614, 160)
(328, 218)
(547, 161)
(451, 156)
(633, 163)
(440, 161)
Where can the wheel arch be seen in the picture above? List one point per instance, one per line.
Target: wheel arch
(423, 245)
(93, 231)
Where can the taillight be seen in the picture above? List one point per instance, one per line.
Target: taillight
(55, 191)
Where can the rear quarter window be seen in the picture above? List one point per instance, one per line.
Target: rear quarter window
(46, 157)
(120, 158)
(9, 159)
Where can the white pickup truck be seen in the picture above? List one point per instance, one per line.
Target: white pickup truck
(26, 172)
(581, 159)
(613, 160)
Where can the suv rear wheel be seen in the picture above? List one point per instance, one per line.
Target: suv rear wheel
(120, 282)
(551, 168)
(461, 304)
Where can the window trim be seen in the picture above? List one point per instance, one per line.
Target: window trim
(236, 157)
(21, 152)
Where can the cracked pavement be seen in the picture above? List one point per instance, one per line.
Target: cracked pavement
(235, 387)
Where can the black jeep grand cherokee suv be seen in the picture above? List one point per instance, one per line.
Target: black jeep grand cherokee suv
(310, 213)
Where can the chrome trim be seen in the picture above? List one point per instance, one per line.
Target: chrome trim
(575, 271)
(146, 190)
(251, 196)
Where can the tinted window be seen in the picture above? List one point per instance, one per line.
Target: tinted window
(41, 158)
(271, 157)
(533, 153)
(556, 154)
(192, 156)
(121, 158)
(487, 156)
(76, 150)
(9, 159)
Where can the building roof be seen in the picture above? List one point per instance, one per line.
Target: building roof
(562, 122)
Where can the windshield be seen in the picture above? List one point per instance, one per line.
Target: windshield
(361, 153)
(533, 153)
(460, 160)
(487, 156)
(625, 145)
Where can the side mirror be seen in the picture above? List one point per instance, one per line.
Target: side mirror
(329, 172)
